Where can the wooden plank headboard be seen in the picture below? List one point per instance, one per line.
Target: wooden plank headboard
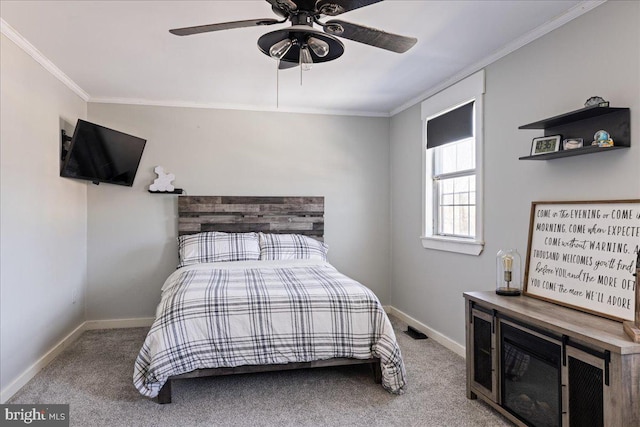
(299, 215)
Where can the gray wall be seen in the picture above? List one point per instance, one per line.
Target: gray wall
(42, 216)
(131, 233)
(550, 76)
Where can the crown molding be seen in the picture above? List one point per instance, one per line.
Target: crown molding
(242, 107)
(576, 11)
(31, 50)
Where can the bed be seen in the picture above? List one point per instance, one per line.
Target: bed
(253, 292)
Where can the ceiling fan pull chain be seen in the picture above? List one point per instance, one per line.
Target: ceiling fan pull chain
(277, 84)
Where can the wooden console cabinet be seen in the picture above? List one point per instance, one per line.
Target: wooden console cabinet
(594, 368)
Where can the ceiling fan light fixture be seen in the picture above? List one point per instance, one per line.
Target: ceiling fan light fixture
(319, 47)
(301, 43)
(306, 62)
(280, 49)
(299, 36)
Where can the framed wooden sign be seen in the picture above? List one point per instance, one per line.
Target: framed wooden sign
(582, 255)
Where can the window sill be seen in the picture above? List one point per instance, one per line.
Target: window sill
(461, 246)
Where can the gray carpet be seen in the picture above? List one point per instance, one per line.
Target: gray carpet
(94, 376)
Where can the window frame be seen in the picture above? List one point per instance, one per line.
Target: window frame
(437, 207)
(469, 89)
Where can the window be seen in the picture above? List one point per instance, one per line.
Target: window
(452, 159)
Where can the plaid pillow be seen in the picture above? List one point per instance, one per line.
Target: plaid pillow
(291, 246)
(215, 246)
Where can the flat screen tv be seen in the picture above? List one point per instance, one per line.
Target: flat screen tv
(100, 154)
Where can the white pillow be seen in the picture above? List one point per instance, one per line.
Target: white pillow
(291, 246)
(215, 246)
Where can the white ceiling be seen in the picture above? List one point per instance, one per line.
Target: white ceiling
(121, 51)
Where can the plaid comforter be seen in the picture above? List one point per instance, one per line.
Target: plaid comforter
(264, 312)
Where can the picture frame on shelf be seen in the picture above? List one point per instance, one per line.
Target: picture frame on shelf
(545, 144)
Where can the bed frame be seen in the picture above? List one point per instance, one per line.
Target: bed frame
(299, 215)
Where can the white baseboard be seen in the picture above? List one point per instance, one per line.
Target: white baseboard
(41, 363)
(119, 323)
(431, 333)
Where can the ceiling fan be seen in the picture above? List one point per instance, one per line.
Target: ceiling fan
(301, 43)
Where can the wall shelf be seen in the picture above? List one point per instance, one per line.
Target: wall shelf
(568, 153)
(176, 191)
(584, 123)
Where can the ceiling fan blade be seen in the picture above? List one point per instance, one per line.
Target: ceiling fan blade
(336, 7)
(370, 36)
(187, 31)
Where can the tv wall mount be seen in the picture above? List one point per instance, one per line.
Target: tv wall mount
(65, 144)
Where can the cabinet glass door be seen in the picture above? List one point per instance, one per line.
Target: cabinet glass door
(484, 361)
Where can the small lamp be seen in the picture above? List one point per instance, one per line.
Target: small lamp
(508, 272)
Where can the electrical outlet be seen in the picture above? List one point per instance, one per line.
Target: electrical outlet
(74, 296)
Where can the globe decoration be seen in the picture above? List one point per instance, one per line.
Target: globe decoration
(602, 139)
